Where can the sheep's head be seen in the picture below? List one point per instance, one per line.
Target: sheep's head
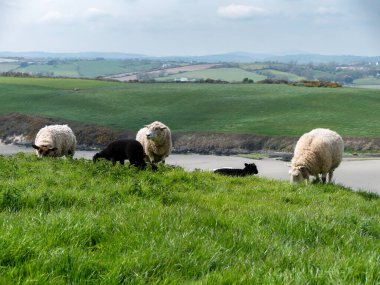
(155, 132)
(298, 174)
(250, 168)
(44, 150)
(96, 157)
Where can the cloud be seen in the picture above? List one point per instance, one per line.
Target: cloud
(326, 11)
(95, 14)
(235, 11)
(55, 17)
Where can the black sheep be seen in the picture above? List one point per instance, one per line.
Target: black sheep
(249, 169)
(121, 150)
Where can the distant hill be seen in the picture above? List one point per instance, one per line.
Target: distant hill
(237, 57)
(78, 55)
(318, 58)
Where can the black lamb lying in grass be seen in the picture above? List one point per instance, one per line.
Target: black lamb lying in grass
(249, 169)
(121, 150)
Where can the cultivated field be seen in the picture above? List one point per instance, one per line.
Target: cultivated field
(264, 109)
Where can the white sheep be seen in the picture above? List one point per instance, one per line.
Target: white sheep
(56, 141)
(156, 140)
(317, 152)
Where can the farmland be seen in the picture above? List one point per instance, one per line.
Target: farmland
(225, 74)
(264, 109)
(168, 69)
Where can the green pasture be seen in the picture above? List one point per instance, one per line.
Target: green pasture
(69, 221)
(253, 66)
(90, 68)
(7, 66)
(226, 74)
(284, 75)
(63, 69)
(367, 81)
(266, 109)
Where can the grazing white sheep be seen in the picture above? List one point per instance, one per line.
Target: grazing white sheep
(317, 152)
(56, 141)
(156, 140)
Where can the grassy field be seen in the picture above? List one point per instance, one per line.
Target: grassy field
(7, 66)
(226, 74)
(367, 81)
(89, 68)
(231, 108)
(74, 222)
(284, 75)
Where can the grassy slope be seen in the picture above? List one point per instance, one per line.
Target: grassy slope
(227, 74)
(70, 222)
(233, 108)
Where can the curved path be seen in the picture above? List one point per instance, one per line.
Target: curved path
(358, 174)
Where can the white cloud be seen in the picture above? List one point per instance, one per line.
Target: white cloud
(55, 17)
(235, 11)
(326, 11)
(96, 13)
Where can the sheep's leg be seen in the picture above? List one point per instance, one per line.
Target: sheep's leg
(121, 161)
(324, 178)
(113, 161)
(70, 153)
(331, 176)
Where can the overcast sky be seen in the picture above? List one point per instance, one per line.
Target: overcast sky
(191, 27)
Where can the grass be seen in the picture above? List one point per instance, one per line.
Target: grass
(263, 109)
(74, 222)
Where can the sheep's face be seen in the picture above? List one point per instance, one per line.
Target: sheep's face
(250, 168)
(155, 133)
(44, 150)
(298, 174)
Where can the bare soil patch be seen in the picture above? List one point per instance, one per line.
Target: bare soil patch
(22, 129)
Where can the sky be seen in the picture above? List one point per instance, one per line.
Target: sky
(192, 27)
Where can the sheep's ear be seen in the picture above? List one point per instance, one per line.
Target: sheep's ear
(246, 164)
(35, 147)
(146, 126)
(163, 128)
(53, 149)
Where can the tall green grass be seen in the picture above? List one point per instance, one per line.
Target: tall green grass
(73, 222)
(231, 108)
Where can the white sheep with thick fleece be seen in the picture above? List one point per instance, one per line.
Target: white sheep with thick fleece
(156, 140)
(317, 152)
(56, 141)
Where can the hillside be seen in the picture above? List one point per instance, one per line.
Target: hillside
(72, 221)
(250, 116)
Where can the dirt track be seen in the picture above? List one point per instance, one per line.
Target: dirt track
(357, 174)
